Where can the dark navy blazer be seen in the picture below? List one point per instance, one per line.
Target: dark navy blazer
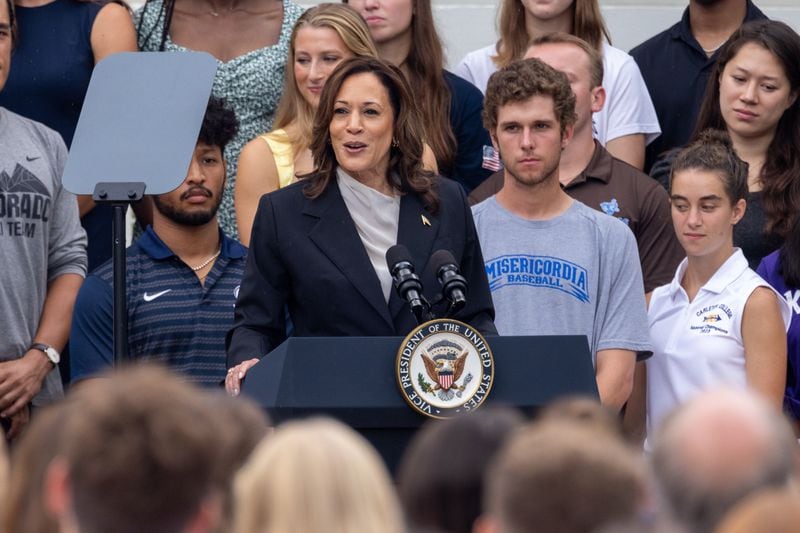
(306, 254)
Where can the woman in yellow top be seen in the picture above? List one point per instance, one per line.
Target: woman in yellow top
(322, 38)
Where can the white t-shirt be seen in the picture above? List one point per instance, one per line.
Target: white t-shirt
(628, 108)
(698, 345)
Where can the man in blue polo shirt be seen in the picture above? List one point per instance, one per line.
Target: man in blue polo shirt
(183, 276)
(677, 62)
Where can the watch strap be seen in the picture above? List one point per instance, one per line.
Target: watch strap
(50, 352)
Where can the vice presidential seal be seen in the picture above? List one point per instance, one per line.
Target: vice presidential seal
(444, 367)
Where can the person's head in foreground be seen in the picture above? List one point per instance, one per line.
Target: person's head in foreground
(585, 411)
(767, 511)
(315, 476)
(24, 508)
(717, 449)
(140, 451)
(440, 479)
(562, 476)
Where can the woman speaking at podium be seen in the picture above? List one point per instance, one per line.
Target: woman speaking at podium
(318, 247)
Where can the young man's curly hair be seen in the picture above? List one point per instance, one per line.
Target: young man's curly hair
(220, 124)
(524, 79)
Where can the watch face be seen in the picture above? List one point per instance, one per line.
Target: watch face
(53, 355)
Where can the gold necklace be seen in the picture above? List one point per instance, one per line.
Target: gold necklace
(207, 261)
(710, 51)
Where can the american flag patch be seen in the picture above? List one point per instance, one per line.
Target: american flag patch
(491, 159)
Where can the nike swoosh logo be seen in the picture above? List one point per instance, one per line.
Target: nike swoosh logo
(29, 158)
(151, 297)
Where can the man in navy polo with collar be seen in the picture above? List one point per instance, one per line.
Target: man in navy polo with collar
(677, 62)
(183, 276)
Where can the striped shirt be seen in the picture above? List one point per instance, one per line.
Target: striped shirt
(171, 316)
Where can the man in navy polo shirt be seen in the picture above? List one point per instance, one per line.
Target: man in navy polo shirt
(183, 276)
(677, 62)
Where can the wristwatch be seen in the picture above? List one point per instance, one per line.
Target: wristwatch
(48, 350)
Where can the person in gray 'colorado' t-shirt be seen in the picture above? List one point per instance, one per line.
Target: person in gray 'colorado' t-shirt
(42, 264)
(575, 274)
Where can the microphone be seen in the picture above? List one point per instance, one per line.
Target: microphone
(406, 281)
(454, 285)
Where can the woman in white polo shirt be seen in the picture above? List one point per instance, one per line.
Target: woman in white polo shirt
(718, 323)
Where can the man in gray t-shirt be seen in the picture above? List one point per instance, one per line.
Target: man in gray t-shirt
(43, 259)
(556, 266)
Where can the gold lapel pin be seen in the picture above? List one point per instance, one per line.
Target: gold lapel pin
(425, 221)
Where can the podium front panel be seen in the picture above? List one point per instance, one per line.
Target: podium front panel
(353, 378)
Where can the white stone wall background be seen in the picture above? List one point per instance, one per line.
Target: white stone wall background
(467, 25)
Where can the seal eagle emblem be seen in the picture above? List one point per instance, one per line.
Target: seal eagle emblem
(444, 367)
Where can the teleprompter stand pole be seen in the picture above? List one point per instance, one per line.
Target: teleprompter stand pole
(119, 195)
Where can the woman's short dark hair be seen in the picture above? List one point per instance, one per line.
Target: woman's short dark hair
(713, 152)
(405, 154)
(779, 175)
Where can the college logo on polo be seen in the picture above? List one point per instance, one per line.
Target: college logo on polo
(444, 367)
(712, 319)
(612, 208)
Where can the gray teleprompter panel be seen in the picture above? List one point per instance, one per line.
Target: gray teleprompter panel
(140, 120)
